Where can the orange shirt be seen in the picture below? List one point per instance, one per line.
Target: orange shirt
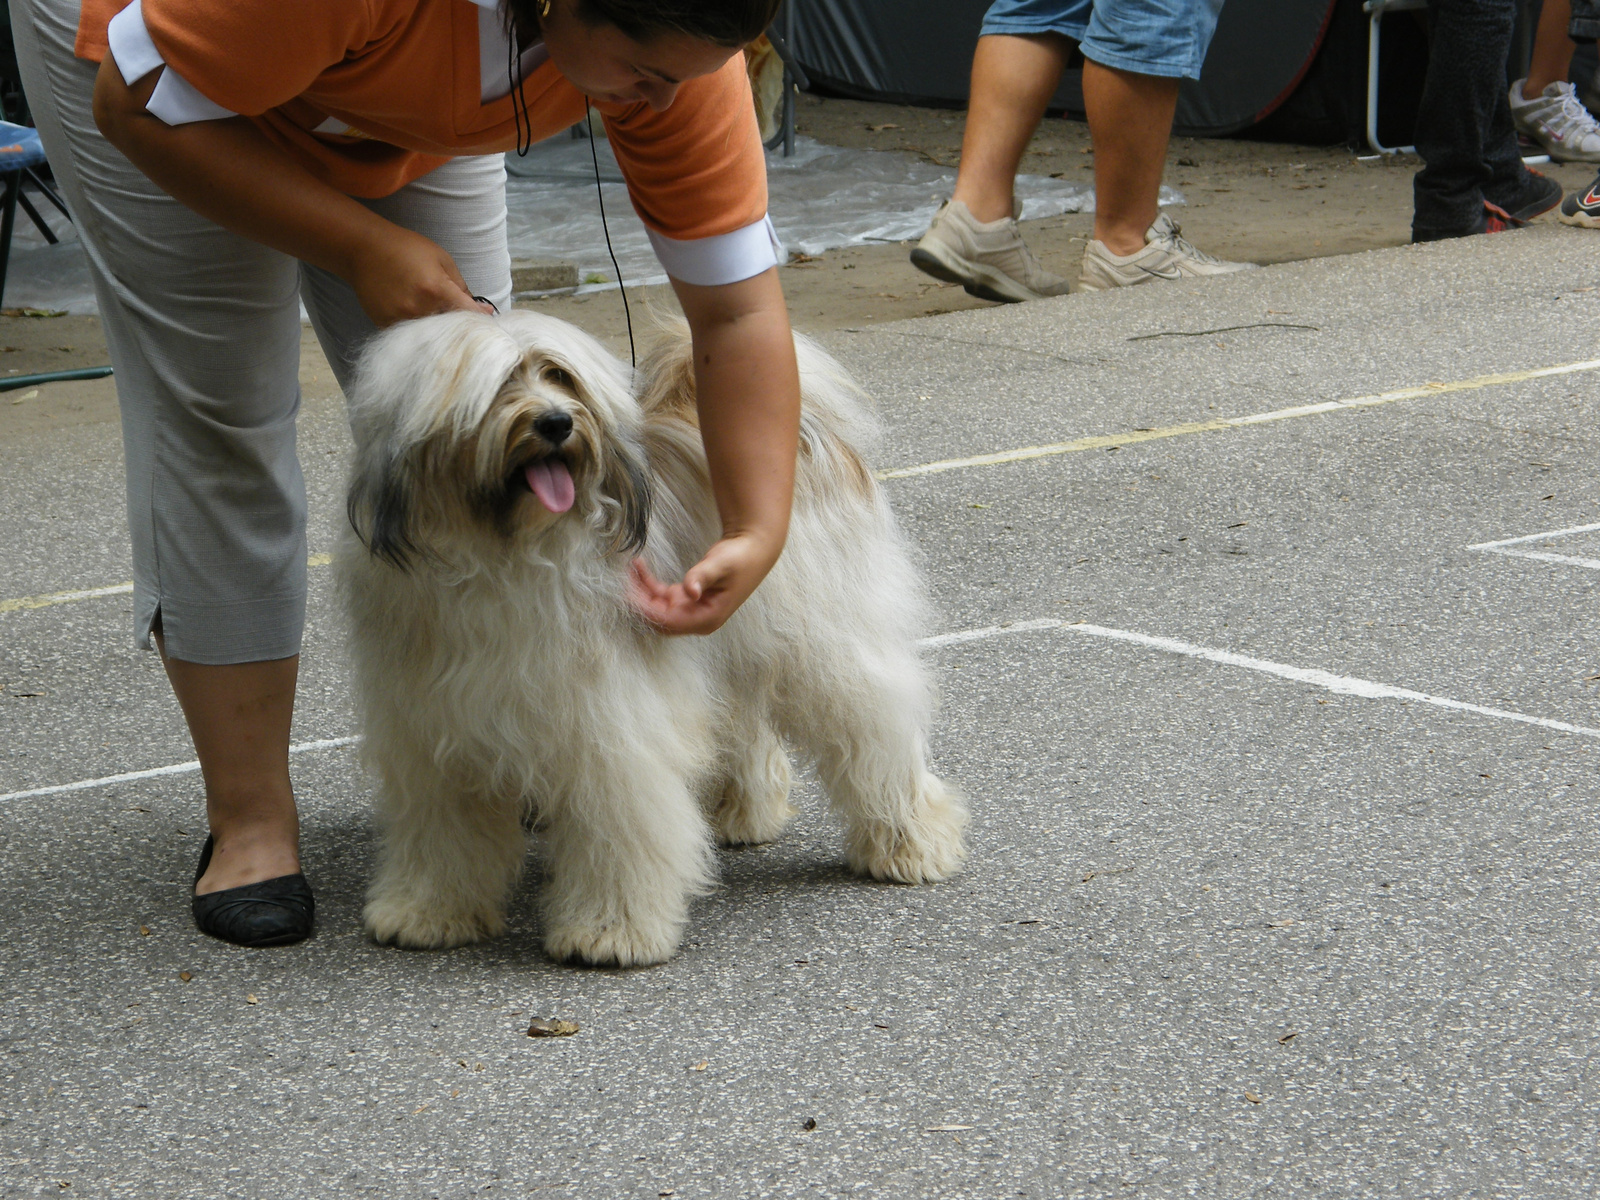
(405, 74)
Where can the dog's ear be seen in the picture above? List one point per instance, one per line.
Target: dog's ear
(625, 488)
(381, 509)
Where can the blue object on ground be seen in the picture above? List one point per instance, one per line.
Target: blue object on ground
(19, 148)
(21, 153)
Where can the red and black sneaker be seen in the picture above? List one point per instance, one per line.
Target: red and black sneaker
(1582, 208)
(1537, 196)
(1534, 197)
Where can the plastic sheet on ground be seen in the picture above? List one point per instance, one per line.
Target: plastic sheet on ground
(821, 198)
(39, 275)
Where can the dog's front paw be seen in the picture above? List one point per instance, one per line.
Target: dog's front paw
(926, 848)
(621, 943)
(419, 927)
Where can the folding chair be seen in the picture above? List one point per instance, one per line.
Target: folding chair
(21, 155)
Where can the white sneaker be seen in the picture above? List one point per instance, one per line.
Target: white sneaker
(1558, 121)
(1166, 255)
(988, 258)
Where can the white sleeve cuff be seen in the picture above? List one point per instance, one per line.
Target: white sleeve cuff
(131, 48)
(726, 258)
(175, 100)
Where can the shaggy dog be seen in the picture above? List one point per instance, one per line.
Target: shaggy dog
(506, 473)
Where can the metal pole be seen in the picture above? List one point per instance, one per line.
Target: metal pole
(788, 81)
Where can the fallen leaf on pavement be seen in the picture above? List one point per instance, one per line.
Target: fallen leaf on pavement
(947, 1128)
(1252, 1097)
(251, 999)
(699, 1066)
(1288, 1037)
(185, 976)
(541, 1027)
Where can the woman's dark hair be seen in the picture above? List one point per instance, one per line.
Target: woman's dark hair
(731, 23)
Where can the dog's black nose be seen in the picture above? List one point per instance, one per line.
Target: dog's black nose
(554, 427)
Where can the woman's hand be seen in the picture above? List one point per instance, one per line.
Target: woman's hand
(711, 590)
(400, 275)
(747, 391)
(227, 171)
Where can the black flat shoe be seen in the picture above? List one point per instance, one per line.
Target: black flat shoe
(274, 912)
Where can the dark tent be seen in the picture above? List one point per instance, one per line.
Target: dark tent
(921, 53)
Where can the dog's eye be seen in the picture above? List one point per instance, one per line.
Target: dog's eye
(558, 377)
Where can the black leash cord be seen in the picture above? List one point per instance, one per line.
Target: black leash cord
(519, 103)
(594, 155)
(524, 123)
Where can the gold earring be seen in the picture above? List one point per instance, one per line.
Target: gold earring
(544, 10)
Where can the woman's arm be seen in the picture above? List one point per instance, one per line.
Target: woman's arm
(748, 389)
(230, 173)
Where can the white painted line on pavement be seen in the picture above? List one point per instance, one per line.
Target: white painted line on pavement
(1344, 685)
(183, 768)
(1105, 441)
(49, 598)
(1571, 560)
(989, 631)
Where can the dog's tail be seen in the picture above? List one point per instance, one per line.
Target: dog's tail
(838, 429)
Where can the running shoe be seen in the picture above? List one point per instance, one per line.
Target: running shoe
(1582, 208)
(988, 258)
(1167, 255)
(1558, 122)
(1533, 197)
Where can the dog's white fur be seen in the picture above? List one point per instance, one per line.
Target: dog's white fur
(500, 669)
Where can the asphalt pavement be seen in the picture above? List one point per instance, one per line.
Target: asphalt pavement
(1279, 736)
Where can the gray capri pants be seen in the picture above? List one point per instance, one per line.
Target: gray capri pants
(204, 331)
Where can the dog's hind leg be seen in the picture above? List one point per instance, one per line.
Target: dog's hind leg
(625, 849)
(863, 713)
(749, 805)
(448, 856)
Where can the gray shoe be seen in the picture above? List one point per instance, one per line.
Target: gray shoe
(1558, 121)
(989, 259)
(1166, 255)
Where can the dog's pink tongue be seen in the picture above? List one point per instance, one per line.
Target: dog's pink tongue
(550, 480)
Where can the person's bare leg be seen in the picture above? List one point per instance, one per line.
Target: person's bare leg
(1013, 79)
(238, 716)
(1130, 123)
(1552, 48)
